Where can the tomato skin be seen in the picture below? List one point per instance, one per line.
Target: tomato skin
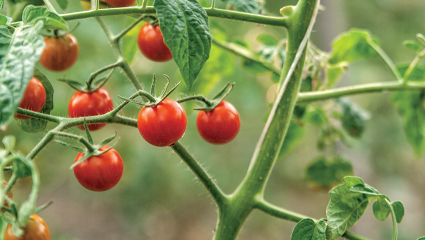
(99, 173)
(35, 230)
(120, 3)
(90, 104)
(151, 44)
(220, 125)
(60, 53)
(34, 98)
(163, 124)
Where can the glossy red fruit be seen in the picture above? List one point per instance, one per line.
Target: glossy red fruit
(34, 98)
(84, 104)
(220, 125)
(120, 3)
(60, 53)
(151, 43)
(163, 124)
(36, 229)
(99, 173)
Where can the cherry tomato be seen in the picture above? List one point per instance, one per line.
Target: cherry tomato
(219, 125)
(163, 124)
(84, 104)
(99, 173)
(34, 98)
(120, 3)
(35, 230)
(60, 53)
(9, 195)
(151, 43)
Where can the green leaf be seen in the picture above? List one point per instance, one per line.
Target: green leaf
(418, 73)
(249, 6)
(184, 25)
(9, 142)
(34, 125)
(421, 238)
(293, 136)
(334, 72)
(399, 210)
(129, 43)
(17, 68)
(317, 117)
(345, 207)
(4, 20)
(308, 229)
(5, 38)
(416, 47)
(324, 174)
(266, 39)
(1, 4)
(20, 168)
(352, 46)
(421, 38)
(380, 209)
(52, 21)
(353, 118)
(254, 67)
(62, 4)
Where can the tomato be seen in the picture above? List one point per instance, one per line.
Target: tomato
(151, 43)
(219, 125)
(163, 124)
(35, 230)
(120, 3)
(60, 53)
(34, 98)
(84, 104)
(9, 195)
(99, 173)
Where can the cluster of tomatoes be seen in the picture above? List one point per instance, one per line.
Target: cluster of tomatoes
(160, 125)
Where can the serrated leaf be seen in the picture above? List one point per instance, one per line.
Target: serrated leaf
(267, 39)
(381, 209)
(17, 68)
(308, 229)
(35, 125)
(249, 6)
(184, 25)
(324, 174)
(399, 210)
(52, 21)
(416, 47)
(352, 46)
(292, 138)
(345, 207)
(129, 43)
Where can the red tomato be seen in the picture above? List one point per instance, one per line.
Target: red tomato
(34, 98)
(35, 230)
(60, 53)
(151, 44)
(163, 124)
(120, 3)
(84, 104)
(219, 125)
(99, 173)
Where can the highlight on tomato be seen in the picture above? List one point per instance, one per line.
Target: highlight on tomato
(163, 124)
(151, 43)
(220, 125)
(34, 98)
(60, 53)
(120, 3)
(99, 173)
(36, 229)
(83, 104)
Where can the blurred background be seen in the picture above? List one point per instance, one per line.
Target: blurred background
(159, 198)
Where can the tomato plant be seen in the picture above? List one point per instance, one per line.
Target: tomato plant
(33, 99)
(99, 173)
(83, 104)
(120, 3)
(219, 125)
(36, 229)
(163, 124)
(60, 53)
(151, 43)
